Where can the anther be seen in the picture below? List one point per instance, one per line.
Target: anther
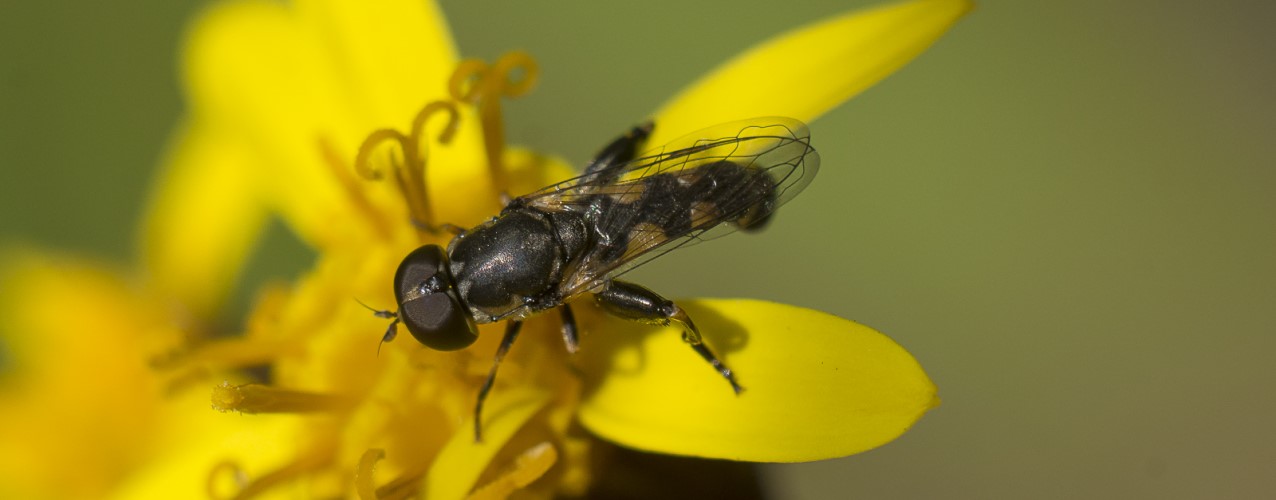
(257, 398)
(475, 82)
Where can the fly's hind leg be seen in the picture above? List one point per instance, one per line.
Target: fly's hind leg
(637, 303)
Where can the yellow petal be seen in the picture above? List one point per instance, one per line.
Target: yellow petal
(392, 54)
(283, 78)
(806, 72)
(80, 405)
(254, 446)
(530, 466)
(816, 386)
(457, 468)
(254, 69)
(204, 217)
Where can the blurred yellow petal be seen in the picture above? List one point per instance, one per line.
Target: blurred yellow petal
(816, 386)
(808, 71)
(76, 341)
(391, 54)
(530, 465)
(306, 85)
(221, 448)
(252, 68)
(459, 464)
(204, 217)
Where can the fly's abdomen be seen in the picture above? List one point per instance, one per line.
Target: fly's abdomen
(736, 194)
(658, 208)
(698, 187)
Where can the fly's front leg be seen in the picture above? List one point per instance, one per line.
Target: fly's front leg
(637, 303)
(511, 333)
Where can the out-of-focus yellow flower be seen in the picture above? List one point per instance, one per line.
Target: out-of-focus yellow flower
(282, 99)
(66, 326)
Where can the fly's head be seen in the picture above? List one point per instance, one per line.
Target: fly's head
(429, 305)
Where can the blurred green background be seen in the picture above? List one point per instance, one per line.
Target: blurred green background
(1063, 210)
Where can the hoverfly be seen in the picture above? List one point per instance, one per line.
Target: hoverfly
(580, 235)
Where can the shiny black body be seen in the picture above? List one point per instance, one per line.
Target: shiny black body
(511, 266)
(517, 264)
(578, 236)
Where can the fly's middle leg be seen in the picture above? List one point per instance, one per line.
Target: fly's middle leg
(571, 337)
(637, 303)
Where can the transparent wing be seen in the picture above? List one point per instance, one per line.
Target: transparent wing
(698, 187)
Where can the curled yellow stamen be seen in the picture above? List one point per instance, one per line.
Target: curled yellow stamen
(363, 474)
(528, 467)
(257, 398)
(243, 487)
(475, 82)
(223, 473)
(409, 170)
(401, 487)
(412, 177)
(449, 129)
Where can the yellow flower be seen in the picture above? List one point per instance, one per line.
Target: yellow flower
(64, 323)
(282, 100)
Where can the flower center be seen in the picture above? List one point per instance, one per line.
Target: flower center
(403, 409)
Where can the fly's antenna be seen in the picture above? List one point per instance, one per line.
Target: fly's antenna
(391, 330)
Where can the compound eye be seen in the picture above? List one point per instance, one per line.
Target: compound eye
(436, 317)
(418, 266)
(439, 321)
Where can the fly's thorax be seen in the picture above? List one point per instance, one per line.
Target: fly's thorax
(507, 263)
